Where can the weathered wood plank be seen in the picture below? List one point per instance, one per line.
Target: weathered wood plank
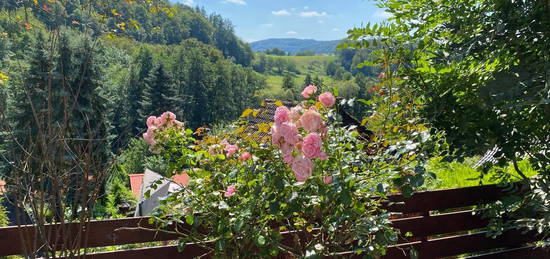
(440, 224)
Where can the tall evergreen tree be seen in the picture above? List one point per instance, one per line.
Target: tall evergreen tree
(308, 80)
(288, 82)
(158, 95)
(25, 116)
(133, 103)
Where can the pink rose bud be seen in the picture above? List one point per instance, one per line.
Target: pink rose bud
(327, 179)
(231, 189)
(309, 90)
(327, 99)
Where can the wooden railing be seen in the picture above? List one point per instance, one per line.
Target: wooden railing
(435, 232)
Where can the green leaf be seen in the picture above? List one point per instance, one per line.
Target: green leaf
(260, 240)
(189, 219)
(181, 245)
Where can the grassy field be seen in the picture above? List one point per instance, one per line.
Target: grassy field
(308, 64)
(274, 90)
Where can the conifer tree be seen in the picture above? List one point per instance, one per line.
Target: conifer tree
(158, 95)
(143, 66)
(308, 80)
(288, 82)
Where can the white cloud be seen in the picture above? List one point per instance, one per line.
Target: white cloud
(313, 14)
(280, 12)
(189, 2)
(291, 33)
(239, 2)
(381, 14)
(269, 25)
(293, 9)
(320, 21)
(335, 29)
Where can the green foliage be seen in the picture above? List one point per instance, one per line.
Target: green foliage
(481, 69)
(4, 220)
(275, 52)
(305, 53)
(151, 21)
(120, 200)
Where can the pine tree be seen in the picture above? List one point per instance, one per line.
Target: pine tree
(317, 81)
(308, 80)
(288, 82)
(134, 93)
(26, 115)
(158, 95)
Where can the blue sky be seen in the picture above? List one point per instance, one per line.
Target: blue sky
(305, 19)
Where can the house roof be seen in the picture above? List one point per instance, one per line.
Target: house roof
(136, 180)
(135, 183)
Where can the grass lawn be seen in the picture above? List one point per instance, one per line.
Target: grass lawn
(455, 174)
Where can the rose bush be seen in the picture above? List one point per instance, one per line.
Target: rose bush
(314, 189)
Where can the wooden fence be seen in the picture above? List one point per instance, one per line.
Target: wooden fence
(435, 233)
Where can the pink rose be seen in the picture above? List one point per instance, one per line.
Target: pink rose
(311, 121)
(312, 145)
(327, 99)
(167, 118)
(295, 112)
(302, 168)
(288, 158)
(149, 136)
(309, 90)
(276, 137)
(245, 156)
(282, 114)
(327, 179)
(289, 131)
(231, 189)
(231, 150)
(152, 121)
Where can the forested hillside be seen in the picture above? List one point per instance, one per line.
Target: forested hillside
(111, 64)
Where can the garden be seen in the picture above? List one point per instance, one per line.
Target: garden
(445, 152)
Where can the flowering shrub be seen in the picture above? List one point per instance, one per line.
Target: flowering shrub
(314, 190)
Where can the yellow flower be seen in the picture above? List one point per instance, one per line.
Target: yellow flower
(3, 78)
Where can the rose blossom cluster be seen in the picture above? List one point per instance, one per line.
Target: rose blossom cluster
(157, 124)
(299, 132)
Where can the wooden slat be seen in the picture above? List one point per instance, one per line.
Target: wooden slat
(444, 199)
(440, 224)
(526, 252)
(99, 233)
(170, 251)
(462, 244)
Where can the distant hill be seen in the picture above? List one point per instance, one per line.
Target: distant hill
(295, 45)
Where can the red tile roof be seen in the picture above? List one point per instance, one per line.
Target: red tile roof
(137, 179)
(135, 183)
